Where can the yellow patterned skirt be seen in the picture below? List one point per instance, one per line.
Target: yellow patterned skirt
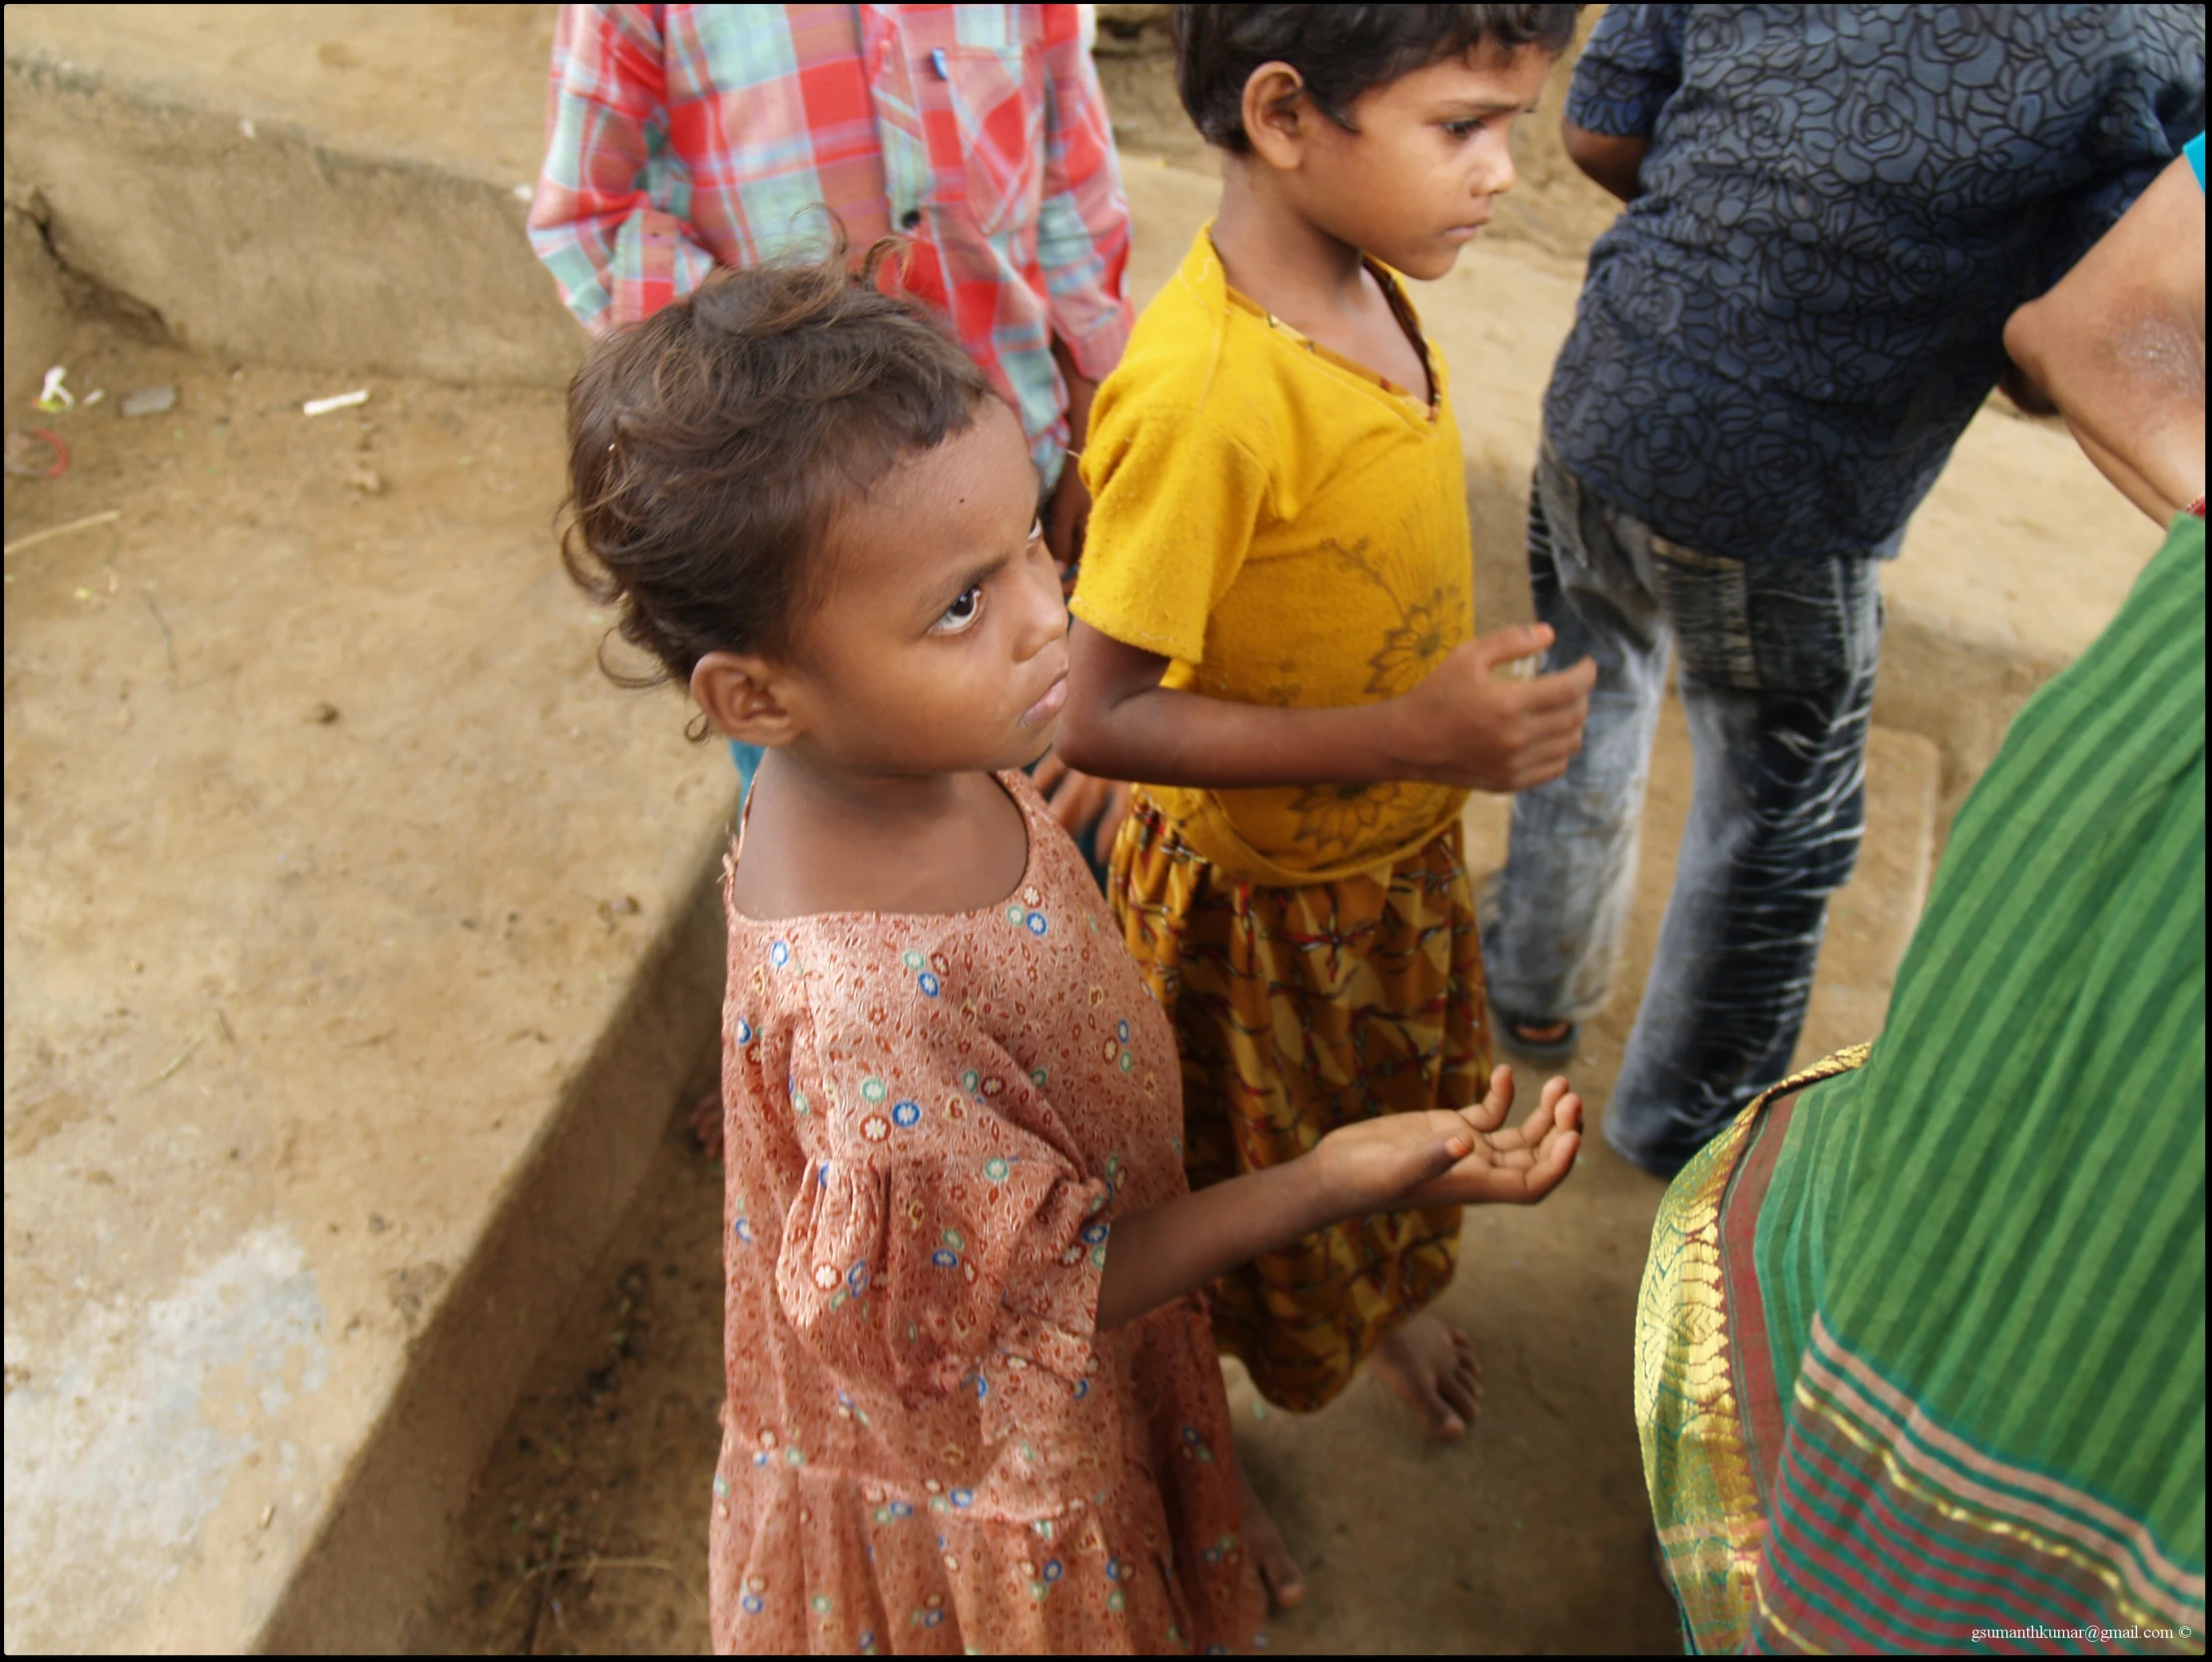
(1296, 1011)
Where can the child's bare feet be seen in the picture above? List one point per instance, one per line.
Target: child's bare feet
(1279, 1571)
(1434, 1367)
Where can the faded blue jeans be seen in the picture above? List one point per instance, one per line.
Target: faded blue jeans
(1777, 676)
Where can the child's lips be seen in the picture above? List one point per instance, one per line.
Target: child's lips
(1056, 697)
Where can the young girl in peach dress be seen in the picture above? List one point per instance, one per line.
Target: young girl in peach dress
(973, 1397)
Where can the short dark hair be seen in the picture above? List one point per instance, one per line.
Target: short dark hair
(711, 445)
(1340, 51)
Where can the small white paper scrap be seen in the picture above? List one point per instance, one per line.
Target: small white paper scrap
(344, 400)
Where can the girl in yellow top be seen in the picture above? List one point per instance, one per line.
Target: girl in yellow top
(1274, 636)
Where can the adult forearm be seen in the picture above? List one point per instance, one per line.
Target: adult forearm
(2119, 344)
(1166, 1252)
(2173, 471)
(1172, 737)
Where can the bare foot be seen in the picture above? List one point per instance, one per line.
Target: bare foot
(706, 1125)
(1433, 1368)
(1279, 1571)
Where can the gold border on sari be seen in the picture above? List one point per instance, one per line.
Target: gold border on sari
(1689, 1412)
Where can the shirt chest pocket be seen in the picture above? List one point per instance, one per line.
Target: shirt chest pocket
(986, 132)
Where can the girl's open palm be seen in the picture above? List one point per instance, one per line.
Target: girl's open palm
(1442, 1157)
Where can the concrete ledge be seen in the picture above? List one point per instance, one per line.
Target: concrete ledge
(398, 1503)
(1961, 688)
(265, 226)
(360, 943)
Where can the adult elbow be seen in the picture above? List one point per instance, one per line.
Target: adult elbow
(2023, 340)
(2028, 342)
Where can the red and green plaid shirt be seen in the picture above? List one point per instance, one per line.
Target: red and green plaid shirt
(681, 138)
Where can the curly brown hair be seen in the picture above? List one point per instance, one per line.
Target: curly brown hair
(711, 445)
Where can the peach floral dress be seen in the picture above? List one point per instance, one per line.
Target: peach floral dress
(931, 1125)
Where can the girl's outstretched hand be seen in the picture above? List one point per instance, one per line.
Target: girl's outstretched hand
(1446, 1158)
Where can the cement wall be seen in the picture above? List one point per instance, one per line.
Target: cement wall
(262, 240)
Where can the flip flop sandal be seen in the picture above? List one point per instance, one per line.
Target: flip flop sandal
(1537, 1050)
(1532, 1050)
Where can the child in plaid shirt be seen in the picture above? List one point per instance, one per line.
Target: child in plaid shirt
(680, 139)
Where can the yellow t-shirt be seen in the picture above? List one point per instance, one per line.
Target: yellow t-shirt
(1287, 528)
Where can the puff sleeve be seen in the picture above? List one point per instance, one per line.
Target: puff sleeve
(1176, 502)
(942, 1224)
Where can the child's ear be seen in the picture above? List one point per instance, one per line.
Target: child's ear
(743, 695)
(1275, 112)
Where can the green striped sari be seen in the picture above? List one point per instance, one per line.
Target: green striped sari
(1921, 1349)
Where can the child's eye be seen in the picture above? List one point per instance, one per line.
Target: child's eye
(1464, 129)
(961, 614)
(1037, 531)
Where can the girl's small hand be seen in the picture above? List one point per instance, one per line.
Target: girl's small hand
(1467, 727)
(1439, 1158)
(1442, 1158)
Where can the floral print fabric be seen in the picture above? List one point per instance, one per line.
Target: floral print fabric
(930, 1123)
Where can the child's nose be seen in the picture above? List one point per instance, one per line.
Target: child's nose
(1497, 175)
(1045, 613)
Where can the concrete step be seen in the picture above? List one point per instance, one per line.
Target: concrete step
(339, 188)
(360, 940)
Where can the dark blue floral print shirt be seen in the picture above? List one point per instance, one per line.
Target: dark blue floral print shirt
(1782, 338)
